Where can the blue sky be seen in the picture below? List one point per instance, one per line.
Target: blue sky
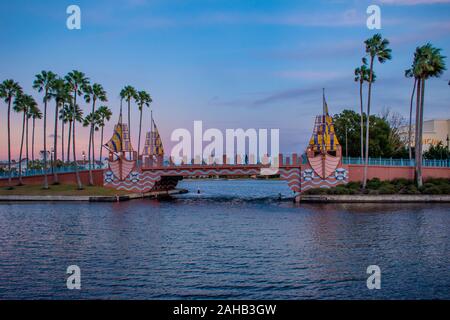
(232, 64)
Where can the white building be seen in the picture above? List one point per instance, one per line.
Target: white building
(434, 131)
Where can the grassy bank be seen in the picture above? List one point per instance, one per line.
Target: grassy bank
(61, 190)
(396, 186)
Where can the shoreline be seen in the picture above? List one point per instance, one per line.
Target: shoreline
(119, 198)
(391, 198)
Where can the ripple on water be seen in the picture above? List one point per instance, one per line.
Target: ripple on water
(236, 240)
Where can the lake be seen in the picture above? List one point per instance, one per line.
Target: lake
(234, 240)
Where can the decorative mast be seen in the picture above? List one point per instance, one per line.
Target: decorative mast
(324, 118)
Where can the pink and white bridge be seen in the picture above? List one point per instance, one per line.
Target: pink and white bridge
(299, 176)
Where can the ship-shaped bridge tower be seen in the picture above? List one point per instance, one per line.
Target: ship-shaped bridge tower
(324, 167)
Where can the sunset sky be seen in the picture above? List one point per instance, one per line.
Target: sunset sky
(233, 64)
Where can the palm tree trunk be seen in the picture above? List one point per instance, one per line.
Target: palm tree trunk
(91, 179)
(129, 121)
(139, 139)
(45, 142)
(26, 141)
(68, 141)
(9, 143)
(21, 148)
(93, 149)
(101, 146)
(62, 141)
(55, 146)
(417, 129)
(89, 158)
(366, 164)
(362, 118)
(32, 140)
(77, 174)
(410, 120)
(420, 145)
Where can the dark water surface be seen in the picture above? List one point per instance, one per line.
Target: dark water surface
(233, 241)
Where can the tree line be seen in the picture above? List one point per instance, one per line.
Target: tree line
(63, 91)
(428, 62)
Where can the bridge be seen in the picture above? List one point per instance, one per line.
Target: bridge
(321, 165)
(294, 169)
(161, 177)
(166, 176)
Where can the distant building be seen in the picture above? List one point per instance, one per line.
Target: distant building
(85, 164)
(434, 131)
(14, 165)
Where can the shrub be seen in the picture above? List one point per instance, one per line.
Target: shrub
(374, 184)
(401, 182)
(387, 189)
(339, 190)
(431, 190)
(353, 185)
(438, 181)
(317, 191)
(445, 188)
(409, 189)
(392, 186)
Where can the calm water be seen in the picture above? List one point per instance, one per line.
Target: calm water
(221, 244)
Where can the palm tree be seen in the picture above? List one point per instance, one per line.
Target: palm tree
(428, 63)
(128, 93)
(96, 121)
(93, 93)
(20, 106)
(362, 75)
(60, 91)
(92, 120)
(105, 114)
(78, 82)
(28, 116)
(9, 89)
(23, 103)
(376, 47)
(35, 113)
(142, 99)
(65, 115)
(44, 82)
(409, 74)
(77, 117)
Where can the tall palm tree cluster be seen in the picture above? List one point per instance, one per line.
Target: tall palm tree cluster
(428, 62)
(142, 99)
(63, 91)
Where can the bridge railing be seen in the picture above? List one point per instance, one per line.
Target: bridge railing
(38, 172)
(391, 162)
(296, 159)
(293, 159)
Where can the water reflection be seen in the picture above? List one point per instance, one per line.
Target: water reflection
(234, 240)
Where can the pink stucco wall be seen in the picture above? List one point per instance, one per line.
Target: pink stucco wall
(389, 173)
(64, 178)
